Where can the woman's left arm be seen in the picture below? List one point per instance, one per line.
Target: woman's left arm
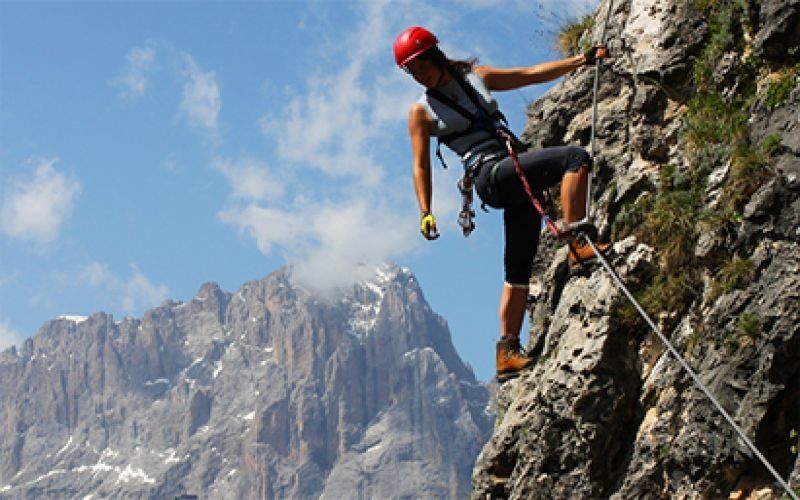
(514, 78)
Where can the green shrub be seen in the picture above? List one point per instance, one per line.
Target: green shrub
(721, 39)
(771, 144)
(631, 216)
(568, 42)
(748, 325)
(748, 329)
(674, 294)
(671, 227)
(778, 89)
(733, 275)
(712, 119)
(748, 172)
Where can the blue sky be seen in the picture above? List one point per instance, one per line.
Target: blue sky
(147, 148)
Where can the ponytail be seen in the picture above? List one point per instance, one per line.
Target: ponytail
(461, 66)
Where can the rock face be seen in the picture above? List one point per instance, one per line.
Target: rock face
(607, 412)
(270, 392)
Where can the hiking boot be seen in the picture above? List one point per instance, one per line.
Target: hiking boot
(510, 359)
(580, 253)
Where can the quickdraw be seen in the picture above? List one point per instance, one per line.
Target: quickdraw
(467, 215)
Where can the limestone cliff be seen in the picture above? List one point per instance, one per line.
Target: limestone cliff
(698, 185)
(269, 392)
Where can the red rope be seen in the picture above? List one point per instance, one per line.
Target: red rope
(527, 187)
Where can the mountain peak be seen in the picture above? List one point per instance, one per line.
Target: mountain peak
(271, 391)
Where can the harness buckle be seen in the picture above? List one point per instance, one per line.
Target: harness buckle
(473, 164)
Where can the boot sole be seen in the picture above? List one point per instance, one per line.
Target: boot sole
(582, 268)
(576, 267)
(504, 377)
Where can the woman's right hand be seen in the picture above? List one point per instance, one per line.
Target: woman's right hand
(427, 226)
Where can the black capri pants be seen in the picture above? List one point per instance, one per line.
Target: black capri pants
(499, 186)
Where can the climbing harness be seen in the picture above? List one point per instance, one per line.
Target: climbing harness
(621, 285)
(494, 124)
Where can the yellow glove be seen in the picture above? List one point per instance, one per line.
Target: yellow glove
(427, 226)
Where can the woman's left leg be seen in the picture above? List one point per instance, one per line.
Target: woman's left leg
(545, 168)
(573, 194)
(522, 225)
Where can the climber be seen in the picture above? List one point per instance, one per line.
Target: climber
(458, 108)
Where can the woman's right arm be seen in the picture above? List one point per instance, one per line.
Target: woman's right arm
(419, 128)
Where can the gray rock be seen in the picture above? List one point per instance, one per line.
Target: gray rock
(779, 28)
(608, 412)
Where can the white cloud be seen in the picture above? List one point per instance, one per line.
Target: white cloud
(135, 78)
(339, 124)
(35, 209)
(328, 244)
(8, 336)
(7, 278)
(351, 240)
(250, 179)
(97, 274)
(148, 65)
(139, 292)
(343, 209)
(201, 99)
(130, 295)
(267, 226)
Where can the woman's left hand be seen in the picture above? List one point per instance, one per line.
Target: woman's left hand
(599, 51)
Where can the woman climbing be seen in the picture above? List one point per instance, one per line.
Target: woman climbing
(459, 109)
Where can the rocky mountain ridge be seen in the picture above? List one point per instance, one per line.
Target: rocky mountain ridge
(698, 172)
(269, 392)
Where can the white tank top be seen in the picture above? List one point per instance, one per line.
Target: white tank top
(445, 120)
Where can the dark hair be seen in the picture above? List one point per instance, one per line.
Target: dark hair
(435, 55)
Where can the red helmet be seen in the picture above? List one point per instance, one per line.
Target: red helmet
(411, 43)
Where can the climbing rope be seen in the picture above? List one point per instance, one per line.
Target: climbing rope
(689, 370)
(527, 187)
(592, 138)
